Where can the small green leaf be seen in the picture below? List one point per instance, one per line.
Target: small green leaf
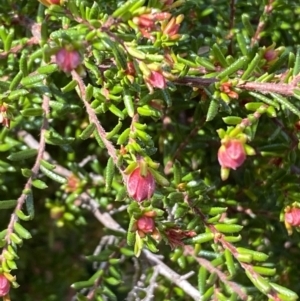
(264, 271)
(177, 172)
(47, 165)
(87, 132)
(47, 69)
(229, 262)
(233, 238)
(296, 70)
(284, 291)
(32, 80)
(15, 238)
(207, 295)
(252, 65)
(15, 82)
(147, 110)
(39, 184)
(70, 86)
(228, 228)
(8, 204)
(22, 155)
(283, 101)
(232, 120)
(212, 110)
(16, 94)
(32, 112)
(21, 231)
(123, 9)
(54, 138)
(264, 99)
(219, 55)
(261, 283)
(127, 252)
(109, 174)
(161, 180)
(82, 284)
(237, 65)
(200, 238)
(52, 175)
(22, 216)
(116, 111)
(202, 276)
(138, 245)
(258, 256)
(136, 53)
(127, 98)
(247, 24)
(112, 281)
(123, 137)
(7, 255)
(114, 131)
(99, 139)
(242, 43)
(167, 97)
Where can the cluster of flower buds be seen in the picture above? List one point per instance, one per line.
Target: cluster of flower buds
(4, 115)
(147, 23)
(140, 184)
(4, 286)
(291, 218)
(153, 76)
(67, 59)
(171, 28)
(226, 88)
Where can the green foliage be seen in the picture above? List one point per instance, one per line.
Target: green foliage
(91, 90)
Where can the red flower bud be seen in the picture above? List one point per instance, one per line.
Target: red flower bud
(50, 2)
(270, 55)
(156, 80)
(232, 154)
(67, 60)
(4, 285)
(292, 217)
(140, 187)
(145, 224)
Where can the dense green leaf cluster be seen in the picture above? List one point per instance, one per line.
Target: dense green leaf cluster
(162, 85)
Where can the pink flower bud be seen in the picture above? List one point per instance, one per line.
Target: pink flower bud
(145, 224)
(232, 154)
(292, 217)
(67, 60)
(156, 80)
(4, 285)
(140, 187)
(271, 55)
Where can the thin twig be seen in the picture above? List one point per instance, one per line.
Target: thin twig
(152, 285)
(35, 169)
(219, 237)
(188, 250)
(280, 88)
(94, 119)
(262, 22)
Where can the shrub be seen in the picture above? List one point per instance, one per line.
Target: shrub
(190, 105)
